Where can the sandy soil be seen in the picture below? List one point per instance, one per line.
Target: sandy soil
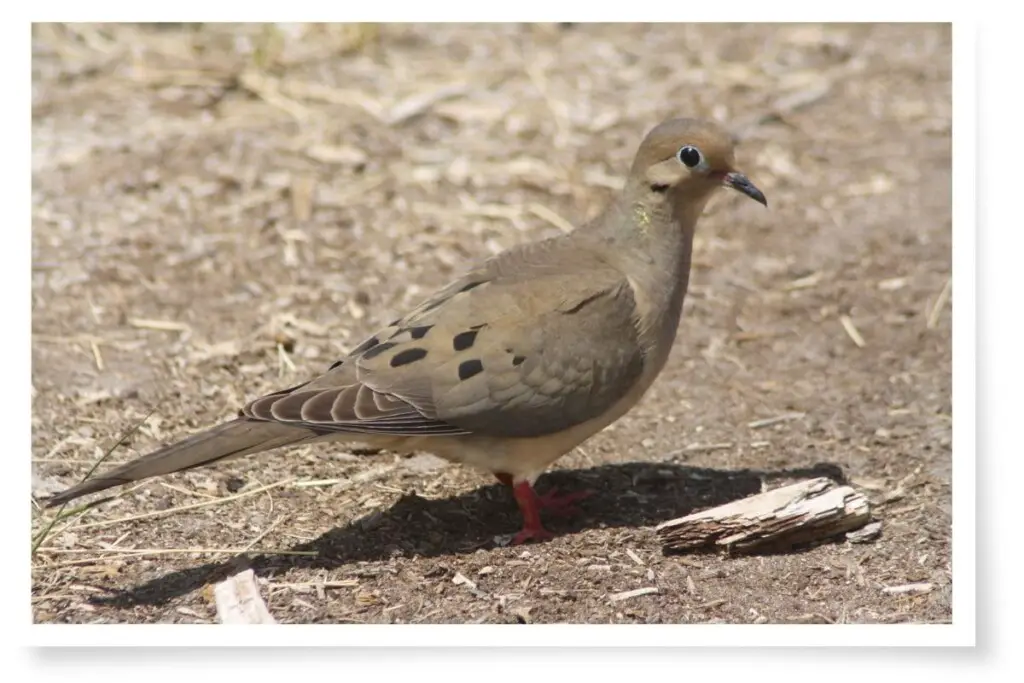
(219, 211)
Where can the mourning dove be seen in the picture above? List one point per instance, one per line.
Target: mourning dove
(519, 360)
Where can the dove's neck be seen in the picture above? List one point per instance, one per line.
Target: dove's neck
(651, 241)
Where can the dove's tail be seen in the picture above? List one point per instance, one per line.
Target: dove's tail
(229, 440)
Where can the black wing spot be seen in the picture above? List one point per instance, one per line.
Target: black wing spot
(407, 356)
(578, 307)
(472, 285)
(365, 346)
(478, 327)
(420, 331)
(470, 368)
(518, 360)
(464, 340)
(379, 349)
(335, 364)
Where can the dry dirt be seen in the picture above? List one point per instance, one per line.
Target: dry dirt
(219, 211)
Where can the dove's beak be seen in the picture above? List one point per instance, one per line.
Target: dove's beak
(741, 183)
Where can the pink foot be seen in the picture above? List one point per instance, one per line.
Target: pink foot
(530, 504)
(532, 534)
(562, 504)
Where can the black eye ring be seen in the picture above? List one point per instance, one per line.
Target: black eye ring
(689, 156)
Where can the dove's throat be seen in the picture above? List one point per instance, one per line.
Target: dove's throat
(652, 245)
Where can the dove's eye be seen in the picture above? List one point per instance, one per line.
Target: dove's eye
(689, 156)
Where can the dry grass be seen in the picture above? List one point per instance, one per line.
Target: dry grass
(220, 210)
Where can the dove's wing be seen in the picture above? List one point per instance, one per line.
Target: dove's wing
(533, 342)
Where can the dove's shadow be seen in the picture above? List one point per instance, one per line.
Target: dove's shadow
(636, 494)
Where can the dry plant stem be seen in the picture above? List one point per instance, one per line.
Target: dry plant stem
(38, 540)
(205, 503)
(176, 551)
(940, 302)
(804, 512)
(156, 552)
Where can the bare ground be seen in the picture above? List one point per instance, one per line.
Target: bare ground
(221, 210)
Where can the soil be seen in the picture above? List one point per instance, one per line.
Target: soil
(221, 210)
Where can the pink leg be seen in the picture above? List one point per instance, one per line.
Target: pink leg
(531, 504)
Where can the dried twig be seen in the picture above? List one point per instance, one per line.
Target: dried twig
(940, 303)
(625, 595)
(183, 508)
(908, 589)
(146, 552)
(263, 534)
(702, 448)
(550, 216)
(161, 325)
(38, 540)
(633, 556)
(851, 330)
(769, 421)
(342, 583)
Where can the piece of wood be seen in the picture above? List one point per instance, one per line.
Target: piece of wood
(239, 602)
(865, 534)
(626, 595)
(908, 588)
(779, 519)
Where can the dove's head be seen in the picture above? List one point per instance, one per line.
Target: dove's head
(686, 160)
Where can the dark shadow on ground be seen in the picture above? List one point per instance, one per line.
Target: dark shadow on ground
(625, 495)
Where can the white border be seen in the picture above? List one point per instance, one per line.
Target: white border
(487, 635)
(964, 400)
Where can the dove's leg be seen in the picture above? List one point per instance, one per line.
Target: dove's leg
(531, 504)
